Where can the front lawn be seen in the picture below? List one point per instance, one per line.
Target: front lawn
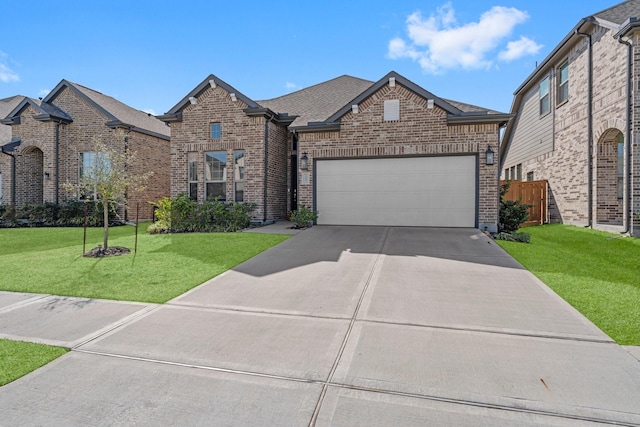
(18, 358)
(50, 261)
(596, 272)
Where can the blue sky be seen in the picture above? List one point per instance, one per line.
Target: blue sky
(150, 54)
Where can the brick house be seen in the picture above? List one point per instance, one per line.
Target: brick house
(577, 120)
(49, 140)
(359, 152)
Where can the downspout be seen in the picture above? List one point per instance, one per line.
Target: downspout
(589, 128)
(628, 217)
(57, 181)
(266, 169)
(13, 175)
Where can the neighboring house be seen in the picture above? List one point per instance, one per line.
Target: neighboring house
(51, 138)
(6, 106)
(359, 152)
(576, 123)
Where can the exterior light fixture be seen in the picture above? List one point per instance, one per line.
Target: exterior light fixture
(47, 175)
(489, 156)
(233, 97)
(304, 162)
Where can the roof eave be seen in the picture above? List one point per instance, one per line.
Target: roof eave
(629, 25)
(317, 127)
(11, 145)
(169, 118)
(468, 119)
(281, 119)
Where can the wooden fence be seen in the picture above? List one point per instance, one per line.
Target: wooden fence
(532, 193)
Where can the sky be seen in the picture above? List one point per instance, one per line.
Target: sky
(150, 54)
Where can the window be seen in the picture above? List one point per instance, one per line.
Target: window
(506, 174)
(512, 173)
(545, 105)
(192, 165)
(238, 175)
(519, 172)
(620, 183)
(529, 176)
(91, 167)
(563, 83)
(391, 110)
(216, 175)
(216, 130)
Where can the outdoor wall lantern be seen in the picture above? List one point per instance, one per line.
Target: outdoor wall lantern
(304, 162)
(489, 156)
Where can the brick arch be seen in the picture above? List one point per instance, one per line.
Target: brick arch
(609, 207)
(608, 125)
(29, 175)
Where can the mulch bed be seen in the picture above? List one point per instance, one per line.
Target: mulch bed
(100, 252)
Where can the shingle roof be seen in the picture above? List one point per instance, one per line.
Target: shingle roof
(6, 106)
(469, 108)
(619, 13)
(116, 111)
(317, 103)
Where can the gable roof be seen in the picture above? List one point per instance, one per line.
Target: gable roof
(618, 18)
(619, 13)
(318, 102)
(6, 106)
(118, 114)
(44, 112)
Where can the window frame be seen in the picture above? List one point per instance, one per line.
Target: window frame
(562, 93)
(544, 97)
(192, 175)
(220, 178)
(215, 131)
(238, 175)
(95, 156)
(620, 164)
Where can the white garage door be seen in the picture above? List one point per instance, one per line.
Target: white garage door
(416, 191)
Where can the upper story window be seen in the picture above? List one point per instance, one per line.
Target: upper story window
(563, 83)
(216, 130)
(545, 104)
(391, 110)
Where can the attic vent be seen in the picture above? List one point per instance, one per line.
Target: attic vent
(391, 110)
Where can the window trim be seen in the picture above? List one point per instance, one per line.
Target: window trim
(222, 180)
(560, 91)
(192, 159)
(546, 96)
(218, 133)
(238, 174)
(620, 164)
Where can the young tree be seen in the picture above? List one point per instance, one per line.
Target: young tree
(108, 174)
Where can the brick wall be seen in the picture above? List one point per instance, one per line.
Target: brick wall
(239, 132)
(38, 139)
(419, 132)
(566, 167)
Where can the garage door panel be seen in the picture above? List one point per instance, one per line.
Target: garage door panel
(420, 191)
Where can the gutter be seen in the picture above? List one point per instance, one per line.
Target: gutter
(589, 128)
(629, 165)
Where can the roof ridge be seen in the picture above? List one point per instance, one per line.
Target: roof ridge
(611, 7)
(314, 85)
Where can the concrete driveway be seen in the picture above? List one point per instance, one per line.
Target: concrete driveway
(342, 326)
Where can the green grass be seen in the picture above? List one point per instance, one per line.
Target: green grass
(598, 273)
(49, 260)
(18, 358)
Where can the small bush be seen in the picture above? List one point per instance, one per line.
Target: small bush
(182, 214)
(512, 212)
(303, 217)
(514, 237)
(67, 214)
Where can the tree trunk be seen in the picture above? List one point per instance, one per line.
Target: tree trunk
(105, 214)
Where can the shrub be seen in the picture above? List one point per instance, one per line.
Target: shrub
(514, 237)
(512, 212)
(303, 217)
(182, 214)
(67, 214)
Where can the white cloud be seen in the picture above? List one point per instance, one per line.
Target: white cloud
(439, 42)
(291, 86)
(150, 111)
(43, 92)
(519, 48)
(6, 74)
